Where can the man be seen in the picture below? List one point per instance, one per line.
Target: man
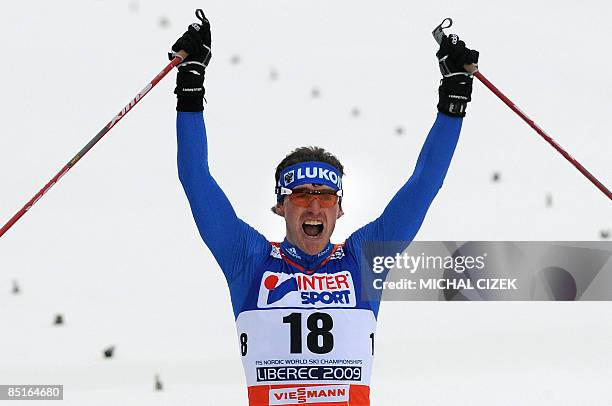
(305, 334)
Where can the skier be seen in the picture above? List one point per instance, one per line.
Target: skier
(305, 334)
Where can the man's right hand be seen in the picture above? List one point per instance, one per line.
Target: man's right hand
(196, 41)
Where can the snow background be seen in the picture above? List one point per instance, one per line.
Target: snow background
(113, 246)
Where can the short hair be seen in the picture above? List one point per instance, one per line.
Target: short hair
(305, 154)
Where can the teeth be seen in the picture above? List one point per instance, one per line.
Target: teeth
(313, 222)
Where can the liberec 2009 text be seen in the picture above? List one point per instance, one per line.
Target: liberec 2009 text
(308, 373)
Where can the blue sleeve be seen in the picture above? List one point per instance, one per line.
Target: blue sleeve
(404, 215)
(236, 246)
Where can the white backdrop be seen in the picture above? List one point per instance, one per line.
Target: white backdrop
(114, 248)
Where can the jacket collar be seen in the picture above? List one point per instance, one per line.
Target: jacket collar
(306, 261)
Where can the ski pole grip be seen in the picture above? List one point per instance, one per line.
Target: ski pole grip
(182, 54)
(471, 68)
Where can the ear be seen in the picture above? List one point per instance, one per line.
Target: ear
(340, 212)
(279, 209)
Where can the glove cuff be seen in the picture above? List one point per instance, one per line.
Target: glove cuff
(455, 92)
(190, 103)
(452, 108)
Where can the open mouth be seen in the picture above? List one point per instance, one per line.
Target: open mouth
(312, 228)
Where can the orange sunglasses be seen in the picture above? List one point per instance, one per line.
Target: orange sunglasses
(304, 197)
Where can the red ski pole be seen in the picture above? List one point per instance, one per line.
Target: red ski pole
(438, 33)
(543, 134)
(177, 59)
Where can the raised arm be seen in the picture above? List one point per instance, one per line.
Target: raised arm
(235, 245)
(404, 215)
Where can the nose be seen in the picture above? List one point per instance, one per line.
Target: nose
(314, 205)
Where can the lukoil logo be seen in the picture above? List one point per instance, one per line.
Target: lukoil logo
(312, 172)
(319, 290)
(289, 176)
(309, 394)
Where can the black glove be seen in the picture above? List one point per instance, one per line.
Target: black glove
(455, 89)
(196, 42)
